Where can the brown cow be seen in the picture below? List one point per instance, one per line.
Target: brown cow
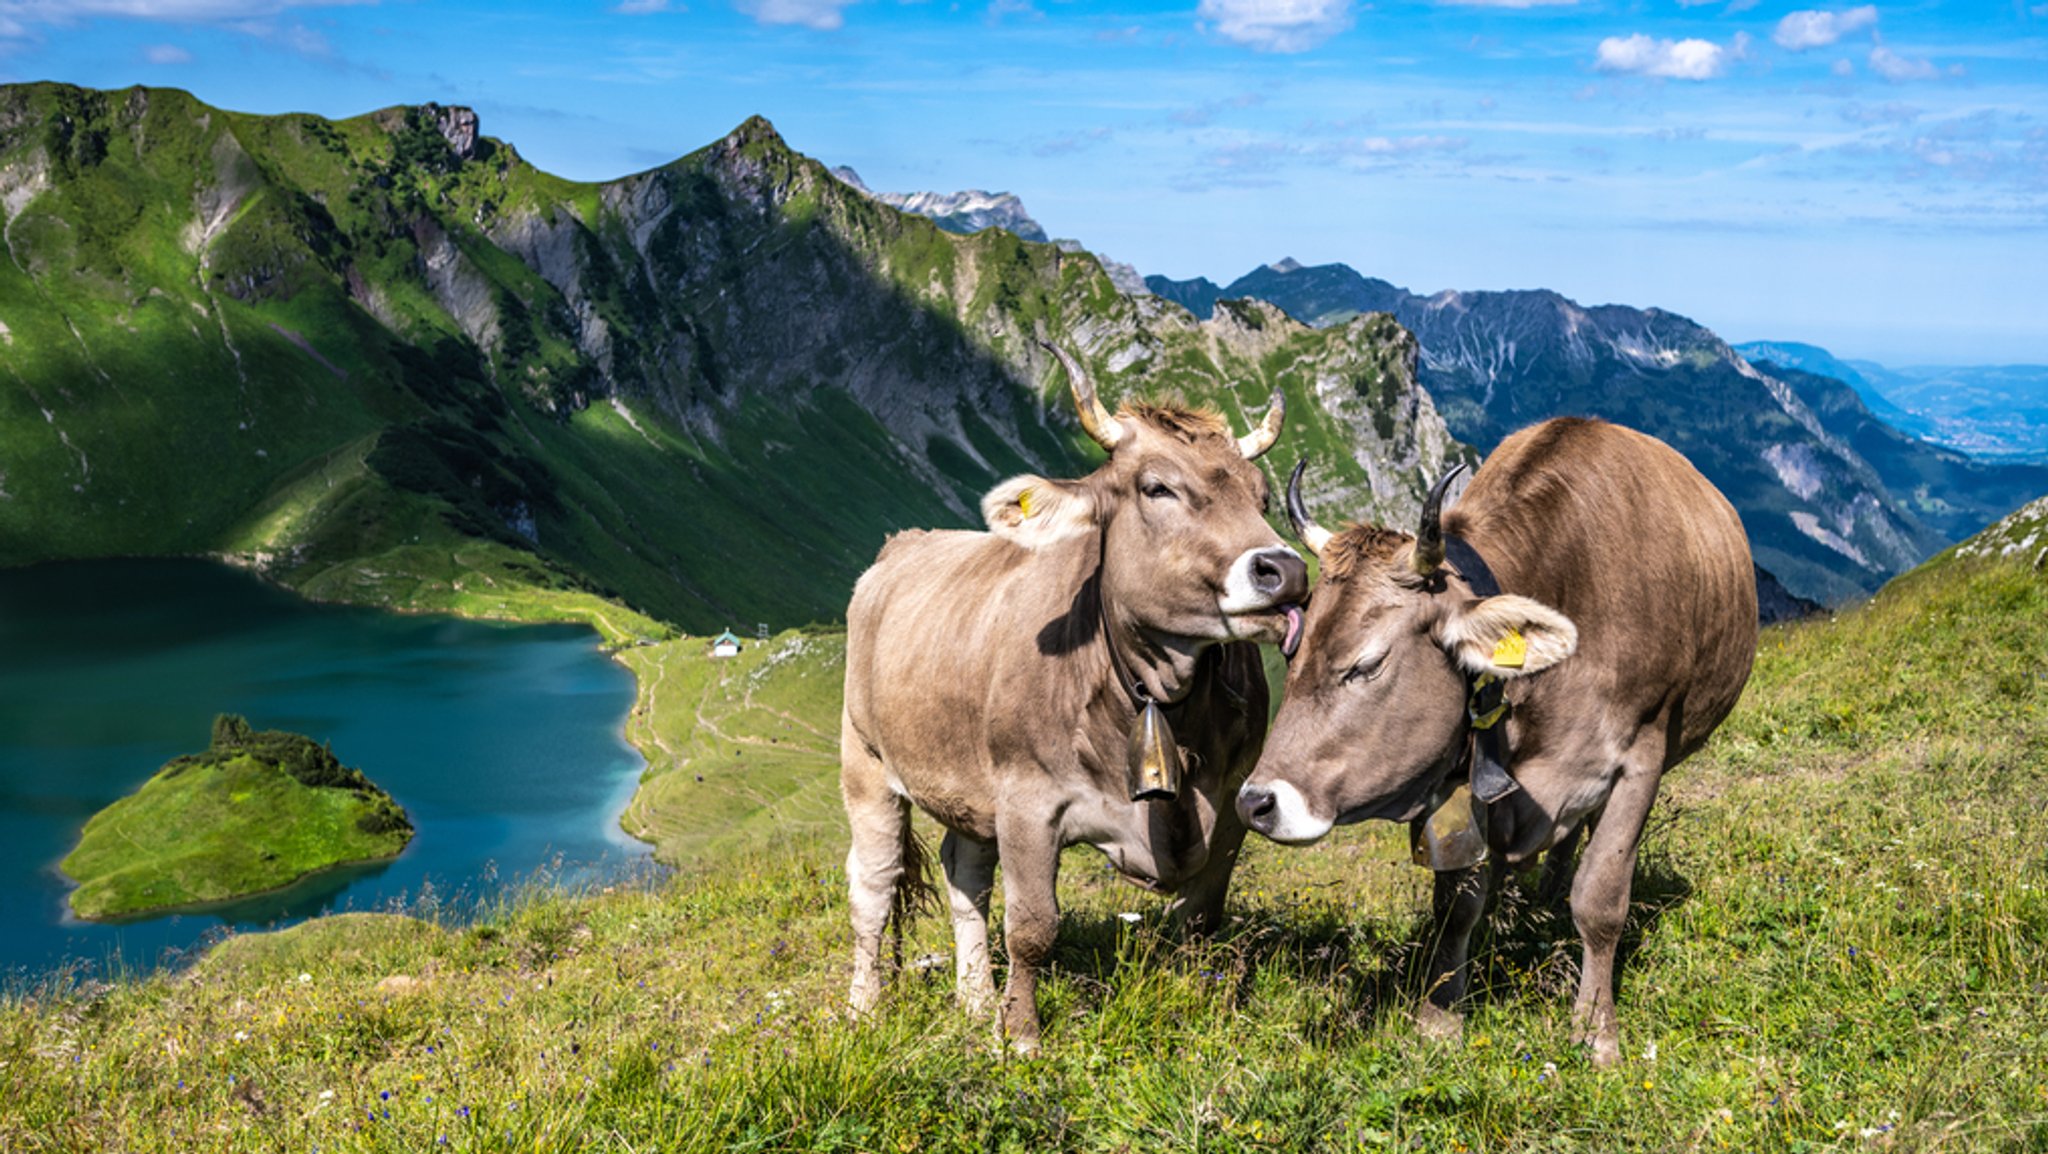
(995, 679)
(1576, 537)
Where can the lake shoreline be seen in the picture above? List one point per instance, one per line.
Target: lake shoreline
(511, 787)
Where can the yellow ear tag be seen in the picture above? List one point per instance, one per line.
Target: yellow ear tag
(1511, 651)
(1024, 503)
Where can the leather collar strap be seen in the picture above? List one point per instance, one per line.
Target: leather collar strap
(1486, 704)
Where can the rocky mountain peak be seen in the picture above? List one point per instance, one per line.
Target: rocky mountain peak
(1286, 264)
(458, 127)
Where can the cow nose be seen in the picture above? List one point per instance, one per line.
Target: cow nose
(1258, 807)
(1281, 575)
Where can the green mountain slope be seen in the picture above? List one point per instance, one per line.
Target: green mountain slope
(386, 360)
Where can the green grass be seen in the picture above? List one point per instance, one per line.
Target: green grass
(742, 752)
(1839, 942)
(228, 823)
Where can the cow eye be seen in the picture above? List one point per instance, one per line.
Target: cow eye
(1157, 491)
(1365, 669)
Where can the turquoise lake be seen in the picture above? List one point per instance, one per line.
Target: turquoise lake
(504, 742)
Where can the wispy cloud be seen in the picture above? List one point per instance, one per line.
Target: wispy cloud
(1023, 9)
(166, 54)
(1275, 25)
(25, 22)
(1520, 3)
(167, 11)
(1204, 114)
(1805, 31)
(1258, 161)
(644, 7)
(1069, 143)
(1667, 59)
(823, 15)
(1900, 69)
(1882, 114)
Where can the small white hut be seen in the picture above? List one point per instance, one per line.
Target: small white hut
(725, 645)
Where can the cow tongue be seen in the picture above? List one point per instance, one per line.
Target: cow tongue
(1292, 640)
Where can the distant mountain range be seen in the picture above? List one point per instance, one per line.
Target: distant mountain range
(1991, 412)
(386, 360)
(1835, 501)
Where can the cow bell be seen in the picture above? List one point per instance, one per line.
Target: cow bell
(1453, 836)
(1154, 763)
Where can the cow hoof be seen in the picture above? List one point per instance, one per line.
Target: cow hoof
(1438, 1024)
(976, 1004)
(1606, 1052)
(1603, 1044)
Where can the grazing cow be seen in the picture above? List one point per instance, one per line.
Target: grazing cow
(1009, 683)
(1592, 555)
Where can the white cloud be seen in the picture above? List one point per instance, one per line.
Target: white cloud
(1844, 67)
(1801, 31)
(640, 7)
(1276, 25)
(1669, 59)
(166, 54)
(823, 15)
(1899, 69)
(1527, 3)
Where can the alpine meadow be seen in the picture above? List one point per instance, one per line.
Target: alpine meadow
(385, 361)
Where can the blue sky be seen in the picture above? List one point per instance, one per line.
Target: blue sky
(1873, 178)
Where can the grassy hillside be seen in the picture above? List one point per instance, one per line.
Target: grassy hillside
(254, 812)
(1840, 940)
(742, 752)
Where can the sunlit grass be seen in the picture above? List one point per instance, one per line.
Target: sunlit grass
(1840, 942)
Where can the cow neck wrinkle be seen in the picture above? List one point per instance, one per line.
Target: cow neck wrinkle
(1166, 679)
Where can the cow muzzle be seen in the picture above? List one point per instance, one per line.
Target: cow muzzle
(1278, 811)
(1262, 580)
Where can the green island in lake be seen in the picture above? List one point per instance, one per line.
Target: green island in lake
(256, 812)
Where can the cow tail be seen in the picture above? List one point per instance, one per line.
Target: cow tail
(915, 891)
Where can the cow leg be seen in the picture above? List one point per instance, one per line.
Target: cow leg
(1031, 917)
(1198, 906)
(1456, 905)
(1600, 903)
(1559, 867)
(970, 874)
(879, 819)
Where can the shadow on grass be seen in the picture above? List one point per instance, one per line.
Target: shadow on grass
(1370, 968)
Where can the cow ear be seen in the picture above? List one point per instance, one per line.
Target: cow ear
(1034, 511)
(1507, 636)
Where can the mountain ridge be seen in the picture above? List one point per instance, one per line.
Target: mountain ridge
(1820, 516)
(384, 359)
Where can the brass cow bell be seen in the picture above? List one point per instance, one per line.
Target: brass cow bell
(1154, 763)
(1452, 837)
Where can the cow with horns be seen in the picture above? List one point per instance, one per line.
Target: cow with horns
(1520, 672)
(1083, 672)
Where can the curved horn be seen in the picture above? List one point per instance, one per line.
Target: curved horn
(1255, 443)
(1094, 418)
(1305, 528)
(1429, 536)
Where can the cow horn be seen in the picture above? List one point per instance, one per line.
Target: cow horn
(1429, 536)
(1305, 528)
(1255, 443)
(1094, 418)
